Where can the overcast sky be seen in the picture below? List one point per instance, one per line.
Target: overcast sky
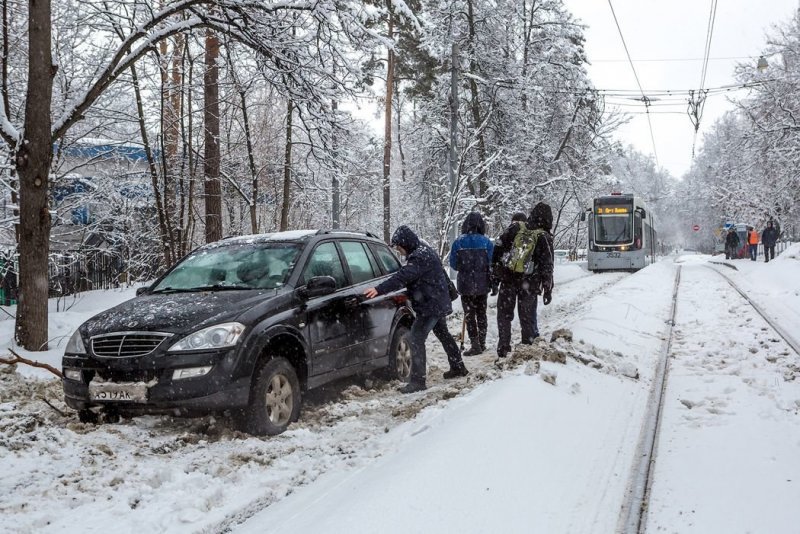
(674, 29)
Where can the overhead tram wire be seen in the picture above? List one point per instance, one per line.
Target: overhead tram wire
(712, 16)
(697, 104)
(636, 76)
(674, 59)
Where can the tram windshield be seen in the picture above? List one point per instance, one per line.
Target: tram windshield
(613, 229)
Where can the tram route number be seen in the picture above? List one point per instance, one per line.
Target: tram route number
(612, 255)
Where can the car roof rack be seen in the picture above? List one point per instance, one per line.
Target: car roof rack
(347, 231)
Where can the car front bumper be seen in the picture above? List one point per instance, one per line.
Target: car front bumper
(217, 390)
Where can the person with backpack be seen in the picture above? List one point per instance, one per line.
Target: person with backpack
(471, 255)
(523, 263)
(427, 284)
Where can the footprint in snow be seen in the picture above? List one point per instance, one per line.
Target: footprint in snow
(691, 404)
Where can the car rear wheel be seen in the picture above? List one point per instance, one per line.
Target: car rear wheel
(400, 355)
(274, 399)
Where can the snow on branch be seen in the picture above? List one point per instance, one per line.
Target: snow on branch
(129, 51)
(7, 130)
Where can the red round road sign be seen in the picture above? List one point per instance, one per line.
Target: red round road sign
(696, 227)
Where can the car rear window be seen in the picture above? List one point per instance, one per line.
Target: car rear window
(386, 258)
(325, 261)
(357, 259)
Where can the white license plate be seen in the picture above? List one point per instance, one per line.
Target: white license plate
(130, 392)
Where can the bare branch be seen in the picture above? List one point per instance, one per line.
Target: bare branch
(19, 359)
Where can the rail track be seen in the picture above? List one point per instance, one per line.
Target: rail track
(633, 515)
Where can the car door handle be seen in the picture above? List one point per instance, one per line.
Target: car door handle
(352, 302)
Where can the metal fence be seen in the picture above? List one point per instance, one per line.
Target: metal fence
(75, 272)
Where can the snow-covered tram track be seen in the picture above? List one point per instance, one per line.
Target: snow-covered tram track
(731, 394)
(768, 317)
(634, 514)
(560, 313)
(632, 518)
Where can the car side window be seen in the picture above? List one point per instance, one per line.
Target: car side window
(325, 261)
(386, 258)
(357, 259)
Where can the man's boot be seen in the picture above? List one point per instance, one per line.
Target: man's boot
(474, 350)
(412, 387)
(455, 372)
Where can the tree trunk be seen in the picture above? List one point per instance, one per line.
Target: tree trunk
(287, 169)
(7, 108)
(211, 161)
(335, 186)
(33, 160)
(387, 132)
(398, 109)
(252, 163)
(477, 120)
(166, 239)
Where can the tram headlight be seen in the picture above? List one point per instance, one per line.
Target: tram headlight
(624, 248)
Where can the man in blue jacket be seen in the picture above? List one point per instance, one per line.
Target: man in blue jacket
(426, 281)
(471, 255)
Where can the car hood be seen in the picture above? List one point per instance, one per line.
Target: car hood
(175, 312)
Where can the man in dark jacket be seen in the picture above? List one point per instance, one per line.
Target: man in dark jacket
(522, 288)
(731, 244)
(769, 237)
(470, 255)
(427, 285)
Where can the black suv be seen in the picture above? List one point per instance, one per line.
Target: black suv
(244, 325)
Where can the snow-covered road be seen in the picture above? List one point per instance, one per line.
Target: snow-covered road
(501, 450)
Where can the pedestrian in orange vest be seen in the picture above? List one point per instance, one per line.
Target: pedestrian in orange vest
(752, 242)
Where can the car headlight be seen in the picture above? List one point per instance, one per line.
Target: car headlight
(214, 337)
(75, 345)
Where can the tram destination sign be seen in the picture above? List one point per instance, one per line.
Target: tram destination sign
(612, 210)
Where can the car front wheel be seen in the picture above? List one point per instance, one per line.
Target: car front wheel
(274, 399)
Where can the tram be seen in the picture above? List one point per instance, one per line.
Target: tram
(622, 234)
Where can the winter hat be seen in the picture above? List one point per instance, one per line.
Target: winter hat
(541, 217)
(406, 238)
(519, 216)
(473, 224)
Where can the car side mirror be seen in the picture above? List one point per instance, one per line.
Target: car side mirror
(318, 286)
(583, 216)
(142, 291)
(643, 212)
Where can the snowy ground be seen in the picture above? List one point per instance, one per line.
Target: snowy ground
(502, 450)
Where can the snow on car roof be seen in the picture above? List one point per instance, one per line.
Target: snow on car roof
(274, 236)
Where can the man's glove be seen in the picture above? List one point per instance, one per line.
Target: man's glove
(547, 290)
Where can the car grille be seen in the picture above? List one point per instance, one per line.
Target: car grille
(126, 344)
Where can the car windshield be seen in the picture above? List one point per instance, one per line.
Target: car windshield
(236, 266)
